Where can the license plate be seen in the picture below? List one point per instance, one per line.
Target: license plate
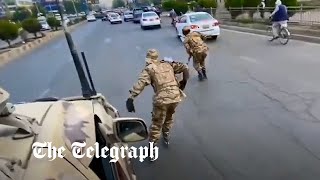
(205, 26)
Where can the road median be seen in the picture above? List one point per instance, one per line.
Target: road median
(303, 33)
(14, 53)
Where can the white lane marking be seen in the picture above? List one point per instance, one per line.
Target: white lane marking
(107, 40)
(44, 93)
(249, 59)
(260, 35)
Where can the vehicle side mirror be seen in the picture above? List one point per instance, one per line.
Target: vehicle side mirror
(130, 129)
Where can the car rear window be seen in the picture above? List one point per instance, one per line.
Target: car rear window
(200, 17)
(128, 13)
(149, 14)
(114, 15)
(138, 11)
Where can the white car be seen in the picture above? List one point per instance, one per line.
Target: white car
(127, 16)
(91, 17)
(150, 19)
(115, 18)
(44, 25)
(198, 21)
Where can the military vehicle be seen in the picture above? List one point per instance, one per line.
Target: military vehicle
(60, 122)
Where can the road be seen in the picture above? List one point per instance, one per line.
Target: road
(257, 117)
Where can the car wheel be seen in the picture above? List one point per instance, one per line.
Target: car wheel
(142, 27)
(214, 37)
(159, 26)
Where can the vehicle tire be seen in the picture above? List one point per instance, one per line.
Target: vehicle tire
(214, 37)
(143, 28)
(159, 26)
(284, 35)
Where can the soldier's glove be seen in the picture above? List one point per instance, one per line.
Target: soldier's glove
(130, 105)
(182, 84)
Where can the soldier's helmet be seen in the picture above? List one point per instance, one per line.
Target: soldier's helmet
(152, 54)
(4, 96)
(186, 30)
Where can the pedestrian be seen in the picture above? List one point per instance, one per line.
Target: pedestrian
(261, 8)
(169, 93)
(197, 49)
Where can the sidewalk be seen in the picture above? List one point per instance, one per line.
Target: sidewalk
(304, 33)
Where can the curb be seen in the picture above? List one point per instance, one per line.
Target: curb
(312, 39)
(30, 46)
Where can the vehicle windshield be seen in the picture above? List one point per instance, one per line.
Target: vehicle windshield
(114, 15)
(128, 13)
(200, 17)
(149, 14)
(138, 11)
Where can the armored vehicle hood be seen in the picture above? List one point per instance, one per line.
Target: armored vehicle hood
(56, 124)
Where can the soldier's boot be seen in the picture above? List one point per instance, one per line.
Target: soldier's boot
(165, 139)
(204, 72)
(200, 75)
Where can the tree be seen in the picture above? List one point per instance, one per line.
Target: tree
(34, 10)
(21, 14)
(68, 5)
(32, 25)
(8, 31)
(53, 23)
(118, 3)
(207, 3)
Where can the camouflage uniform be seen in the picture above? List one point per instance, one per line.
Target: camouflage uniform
(197, 49)
(161, 76)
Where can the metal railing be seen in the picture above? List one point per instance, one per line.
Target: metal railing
(307, 15)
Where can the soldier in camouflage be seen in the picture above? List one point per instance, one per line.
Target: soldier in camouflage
(196, 49)
(160, 75)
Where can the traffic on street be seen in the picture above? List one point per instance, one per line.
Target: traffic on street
(255, 117)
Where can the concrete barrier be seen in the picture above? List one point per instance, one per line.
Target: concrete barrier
(14, 53)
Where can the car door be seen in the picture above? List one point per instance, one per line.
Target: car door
(182, 21)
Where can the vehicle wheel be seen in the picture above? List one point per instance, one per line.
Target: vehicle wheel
(214, 37)
(159, 26)
(143, 28)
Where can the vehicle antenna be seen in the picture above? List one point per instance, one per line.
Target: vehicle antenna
(86, 90)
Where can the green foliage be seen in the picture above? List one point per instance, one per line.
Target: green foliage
(53, 23)
(31, 25)
(8, 31)
(207, 3)
(35, 11)
(270, 3)
(68, 5)
(21, 14)
(118, 3)
(178, 6)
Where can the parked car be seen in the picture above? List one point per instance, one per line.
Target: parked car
(137, 15)
(150, 19)
(91, 18)
(115, 18)
(44, 25)
(198, 21)
(128, 15)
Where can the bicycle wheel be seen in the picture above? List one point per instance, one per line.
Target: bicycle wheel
(284, 36)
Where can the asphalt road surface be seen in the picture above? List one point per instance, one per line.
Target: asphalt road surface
(257, 117)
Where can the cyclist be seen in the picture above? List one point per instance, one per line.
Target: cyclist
(173, 16)
(279, 18)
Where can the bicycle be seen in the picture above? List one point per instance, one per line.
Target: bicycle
(284, 34)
